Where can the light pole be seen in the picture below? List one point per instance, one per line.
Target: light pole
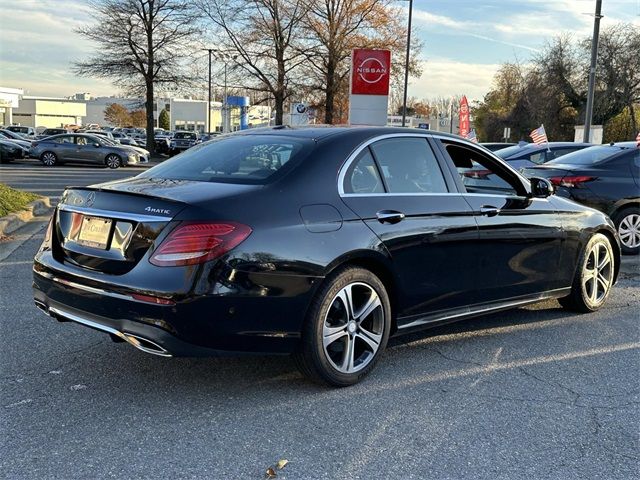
(225, 57)
(592, 73)
(209, 96)
(406, 66)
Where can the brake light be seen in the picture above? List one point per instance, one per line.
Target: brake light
(191, 243)
(570, 181)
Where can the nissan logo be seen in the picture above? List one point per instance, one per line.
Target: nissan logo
(371, 70)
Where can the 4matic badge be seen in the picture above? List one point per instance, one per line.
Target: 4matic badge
(157, 210)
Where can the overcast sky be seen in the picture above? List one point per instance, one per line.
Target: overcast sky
(464, 41)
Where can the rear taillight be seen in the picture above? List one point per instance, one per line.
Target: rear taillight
(570, 181)
(192, 243)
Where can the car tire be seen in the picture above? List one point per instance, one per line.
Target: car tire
(627, 223)
(341, 345)
(113, 161)
(49, 159)
(593, 278)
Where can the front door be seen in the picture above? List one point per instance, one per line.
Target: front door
(520, 237)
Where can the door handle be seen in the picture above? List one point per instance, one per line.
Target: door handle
(489, 210)
(390, 216)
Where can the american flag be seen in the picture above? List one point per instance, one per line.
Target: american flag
(539, 136)
(638, 139)
(471, 136)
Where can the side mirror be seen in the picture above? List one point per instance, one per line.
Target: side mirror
(541, 187)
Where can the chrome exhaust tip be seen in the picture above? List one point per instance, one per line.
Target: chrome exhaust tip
(141, 343)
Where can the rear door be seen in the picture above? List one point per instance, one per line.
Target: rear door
(520, 237)
(64, 147)
(398, 187)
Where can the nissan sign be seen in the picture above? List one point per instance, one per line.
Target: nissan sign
(370, 72)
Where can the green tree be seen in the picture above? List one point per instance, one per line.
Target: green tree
(622, 127)
(163, 120)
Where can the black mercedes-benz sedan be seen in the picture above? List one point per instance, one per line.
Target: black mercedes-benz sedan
(316, 242)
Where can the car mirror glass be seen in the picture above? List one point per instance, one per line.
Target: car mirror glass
(541, 187)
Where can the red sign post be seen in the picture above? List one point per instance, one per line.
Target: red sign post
(465, 123)
(370, 72)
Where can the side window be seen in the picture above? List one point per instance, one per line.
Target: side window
(363, 176)
(64, 140)
(482, 174)
(81, 141)
(538, 157)
(409, 165)
(561, 151)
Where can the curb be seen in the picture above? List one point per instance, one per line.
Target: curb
(14, 221)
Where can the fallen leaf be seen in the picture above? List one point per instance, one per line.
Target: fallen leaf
(281, 464)
(271, 473)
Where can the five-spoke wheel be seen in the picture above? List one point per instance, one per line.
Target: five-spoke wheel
(594, 276)
(353, 328)
(347, 328)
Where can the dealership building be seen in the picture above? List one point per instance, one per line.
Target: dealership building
(48, 112)
(9, 100)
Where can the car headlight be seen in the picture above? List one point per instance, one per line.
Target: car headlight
(133, 157)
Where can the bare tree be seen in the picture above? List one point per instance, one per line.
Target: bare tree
(338, 26)
(264, 37)
(139, 45)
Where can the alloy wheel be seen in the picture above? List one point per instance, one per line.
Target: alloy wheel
(597, 273)
(113, 161)
(629, 231)
(49, 159)
(353, 328)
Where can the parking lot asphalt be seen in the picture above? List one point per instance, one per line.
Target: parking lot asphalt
(532, 393)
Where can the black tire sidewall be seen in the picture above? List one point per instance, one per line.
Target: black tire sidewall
(319, 311)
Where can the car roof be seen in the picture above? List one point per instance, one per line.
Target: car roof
(318, 132)
(532, 147)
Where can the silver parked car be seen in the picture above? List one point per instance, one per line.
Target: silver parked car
(83, 148)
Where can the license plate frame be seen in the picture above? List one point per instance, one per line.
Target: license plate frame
(95, 232)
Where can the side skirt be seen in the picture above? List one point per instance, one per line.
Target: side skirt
(410, 324)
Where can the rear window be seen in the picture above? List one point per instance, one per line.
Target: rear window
(587, 156)
(187, 135)
(251, 159)
(507, 152)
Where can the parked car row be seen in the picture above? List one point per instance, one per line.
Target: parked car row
(86, 148)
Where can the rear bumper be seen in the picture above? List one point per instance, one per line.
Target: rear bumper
(237, 321)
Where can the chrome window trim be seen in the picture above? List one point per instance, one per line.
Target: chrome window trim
(350, 159)
(347, 163)
(95, 212)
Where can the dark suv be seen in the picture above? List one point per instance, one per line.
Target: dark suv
(604, 177)
(182, 141)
